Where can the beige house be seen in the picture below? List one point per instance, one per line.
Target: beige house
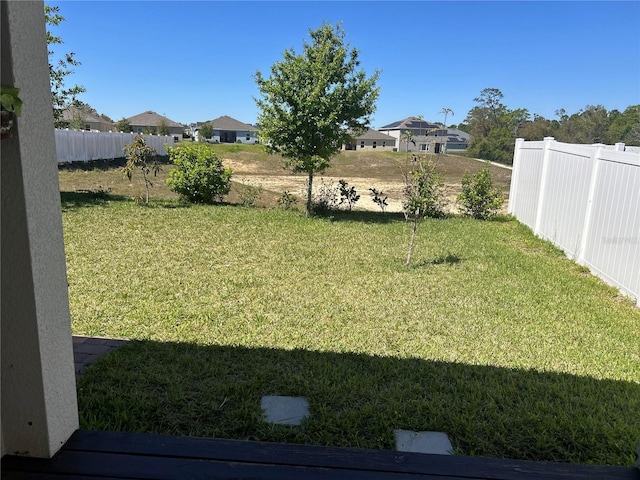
(149, 122)
(85, 118)
(371, 139)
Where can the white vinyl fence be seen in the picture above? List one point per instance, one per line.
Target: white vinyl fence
(586, 200)
(81, 146)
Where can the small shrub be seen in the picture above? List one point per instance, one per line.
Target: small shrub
(199, 176)
(142, 156)
(326, 198)
(423, 197)
(379, 198)
(287, 200)
(348, 194)
(479, 198)
(249, 193)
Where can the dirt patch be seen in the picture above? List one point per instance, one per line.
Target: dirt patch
(296, 185)
(454, 168)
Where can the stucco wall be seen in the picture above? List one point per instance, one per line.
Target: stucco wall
(39, 408)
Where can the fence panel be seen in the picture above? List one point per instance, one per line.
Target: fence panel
(613, 242)
(525, 182)
(586, 200)
(81, 146)
(564, 204)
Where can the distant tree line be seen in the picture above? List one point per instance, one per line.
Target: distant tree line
(494, 127)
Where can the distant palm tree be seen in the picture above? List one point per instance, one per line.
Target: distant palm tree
(446, 112)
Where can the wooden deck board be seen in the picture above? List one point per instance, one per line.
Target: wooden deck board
(115, 455)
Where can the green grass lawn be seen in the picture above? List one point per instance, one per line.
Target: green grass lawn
(492, 336)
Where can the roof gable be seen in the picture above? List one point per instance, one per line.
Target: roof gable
(410, 123)
(89, 116)
(150, 119)
(227, 123)
(375, 135)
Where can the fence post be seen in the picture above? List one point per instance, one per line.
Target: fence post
(515, 176)
(586, 226)
(548, 141)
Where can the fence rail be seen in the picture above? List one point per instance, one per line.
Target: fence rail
(81, 146)
(586, 200)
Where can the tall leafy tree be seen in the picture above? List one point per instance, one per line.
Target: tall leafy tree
(123, 125)
(494, 127)
(538, 128)
(625, 126)
(163, 128)
(315, 101)
(206, 131)
(62, 96)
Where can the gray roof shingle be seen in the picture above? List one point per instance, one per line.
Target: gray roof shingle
(410, 123)
(375, 135)
(150, 119)
(227, 123)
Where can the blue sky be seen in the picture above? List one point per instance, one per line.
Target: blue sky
(195, 60)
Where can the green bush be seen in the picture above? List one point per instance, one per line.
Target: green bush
(199, 176)
(479, 198)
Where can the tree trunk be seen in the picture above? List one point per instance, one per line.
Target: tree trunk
(146, 184)
(411, 242)
(309, 194)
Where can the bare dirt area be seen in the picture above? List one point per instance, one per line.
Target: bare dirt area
(296, 185)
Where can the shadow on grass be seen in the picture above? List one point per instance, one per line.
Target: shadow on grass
(356, 400)
(104, 165)
(448, 259)
(92, 198)
(360, 216)
(89, 198)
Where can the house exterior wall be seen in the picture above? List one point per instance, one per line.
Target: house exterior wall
(99, 127)
(142, 128)
(39, 408)
(239, 136)
(423, 143)
(375, 144)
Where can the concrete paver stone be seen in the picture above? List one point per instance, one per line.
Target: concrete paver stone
(283, 410)
(423, 442)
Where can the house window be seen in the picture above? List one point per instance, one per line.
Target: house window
(374, 144)
(384, 143)
(248, 136)
(362, 144)
(423, 146)
(87, 127)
